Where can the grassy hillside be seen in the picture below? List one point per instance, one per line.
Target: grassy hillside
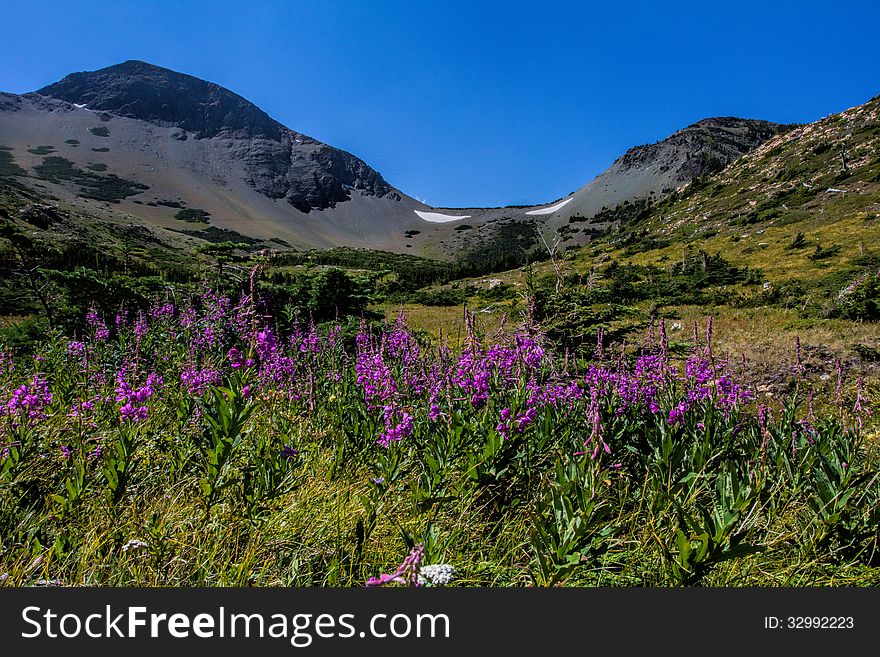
(781, 246)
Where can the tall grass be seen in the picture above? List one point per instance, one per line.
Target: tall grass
(196, 445)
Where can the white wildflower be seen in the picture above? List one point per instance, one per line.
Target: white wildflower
(439, 574)
(134, 544)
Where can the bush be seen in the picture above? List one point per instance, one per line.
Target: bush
(862, 301)
(192, 215)
(798, 242)
(822, 254)
(443, 297)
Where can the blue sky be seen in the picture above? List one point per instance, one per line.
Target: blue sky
(475, 104)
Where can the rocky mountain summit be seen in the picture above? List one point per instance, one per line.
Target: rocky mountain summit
(648, 173)
(139, 90)
(703, 147)
(281, 163)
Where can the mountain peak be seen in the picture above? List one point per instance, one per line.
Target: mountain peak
(140, 90)
(704, 146)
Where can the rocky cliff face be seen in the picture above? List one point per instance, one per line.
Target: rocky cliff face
(706, 146)
(280, 163)
(645, 174)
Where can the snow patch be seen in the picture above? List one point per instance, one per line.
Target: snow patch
(552, 208)
(437, 218)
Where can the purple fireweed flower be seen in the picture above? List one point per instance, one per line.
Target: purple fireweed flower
(243, 317)
(399, 343)
(267, 344)
(94, 321)
(729, 394)
(236, 359)
(595, 418)
(529, 351)
(664, 341)
(133, 400)
(503, 427)
(395, 432)
(375, 377)
(187, 317)
(197, 382)
(838, 392)
(698, 370)
(310, 342)
(65, 452)
(523, 420)
(140, 326)
(162, 312)
(82, 408)
(207, 337)
(858, 410)
(406, 573)
(333, 336)
(133, 413)
(676, 414)
(474, 370)
(763, 420)
(92, 318)
(125, 392)
(30, 400)
(7, 364)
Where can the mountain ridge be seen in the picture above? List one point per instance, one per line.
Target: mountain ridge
(195, 141)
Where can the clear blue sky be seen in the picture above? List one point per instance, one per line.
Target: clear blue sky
(468, 103)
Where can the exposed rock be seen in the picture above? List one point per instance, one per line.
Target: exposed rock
(151, 93)
(42, 215)
(280, 163)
